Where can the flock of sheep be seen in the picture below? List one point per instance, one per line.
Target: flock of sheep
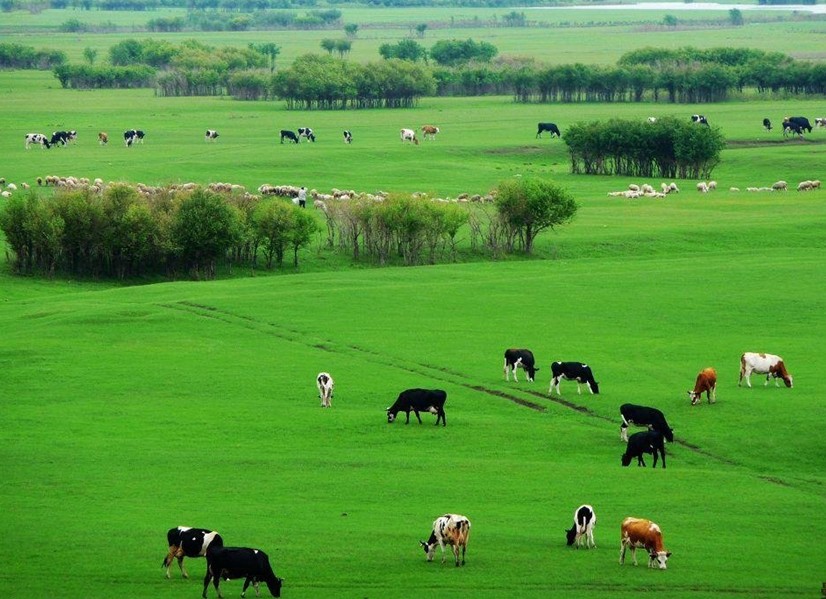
(648, 191)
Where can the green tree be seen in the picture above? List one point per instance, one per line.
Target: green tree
(404, 50)
(530, 206)
(343, 47)
(272, 224)
(328, 44)
(420, 29)
(670, 21)
(90, 54)
(455, 52)
(735, 17)
(351, 30)
(301, 233)
(270, 50)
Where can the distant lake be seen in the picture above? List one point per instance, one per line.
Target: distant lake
(676, 6)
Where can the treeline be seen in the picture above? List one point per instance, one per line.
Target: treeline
(122, 233)
(243, 5)
(668, 148)
(18, 56)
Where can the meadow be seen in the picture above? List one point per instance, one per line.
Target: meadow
(129, 409)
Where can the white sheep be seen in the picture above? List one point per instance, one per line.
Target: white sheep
(779, 186)
(702, 187)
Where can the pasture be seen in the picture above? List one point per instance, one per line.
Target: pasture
(131, 409)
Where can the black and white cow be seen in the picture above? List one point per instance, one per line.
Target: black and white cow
(519, 358)
(450, 529)
(229, 563)
(644, 442)
(550, 127)
(324, 382)
(37, 138)
(767, 124)
(573, 371)
(643, 416)
(289, 136)
(583, 529)
(699, 119)
(306, 133)
(63, 137)
(132, 136)
(790, 128)
(419, 400)
(801, 121)
(184, 541)
(210, 135)
(348, 136)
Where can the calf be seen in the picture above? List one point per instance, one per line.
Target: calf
(103, 138)
(820, 121)
(768, 364)
(348, 136)
(409, 135)
(325, 383)
(252, 565)
(699, 119)
(210, 135)
(573, 371)
(583, 529)
(289, 136)
(37, 138)
(644, 442)
(189, 542)
(519, 358)
(450, 529)
(419, 400)
(429, 132)
(706, 382)
(132, 136)
(767, 124)
(638, 532)
(644, 416)
(306, 133)
(550, 127)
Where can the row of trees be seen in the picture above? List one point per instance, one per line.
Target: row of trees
(669, 148)
(18, 56)
(121, 233)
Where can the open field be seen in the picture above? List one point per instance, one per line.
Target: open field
(130, 409)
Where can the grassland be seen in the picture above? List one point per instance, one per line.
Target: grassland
(129, 409)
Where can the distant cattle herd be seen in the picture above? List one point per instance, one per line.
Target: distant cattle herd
(452, 529)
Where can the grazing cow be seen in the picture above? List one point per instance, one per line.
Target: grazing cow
(210, 135)
(450, 529)
(790, 127)
(103, 138)
(348, 136)
(189, 542)
(706, 382)
(573, 371)
(409, 135)
(62, 137)
(306, 133)
(419, 400)
(429, 132)
(582, 532)
(699, 119)
(801, 121)
(325, 383)
(519, 358)
(767, 124)
(37, 138)
(639, 532)
(132, 136)
(253, 565)
(644, 442)
(550, 127)
(289, 135)
(768, 364)
(643, 416)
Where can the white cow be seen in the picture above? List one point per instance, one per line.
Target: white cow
(37, 138)
(768, 364)
(325, 384)
(210, 135)
(450, 529)
(409, 135)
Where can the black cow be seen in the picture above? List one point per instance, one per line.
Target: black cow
(419, 400)
(644, 442)
(519, 358)
(573, 371)
(289, 135)
(767, 124)
(643, 416)
(791, 127)
(189, 542)
(306, 132)
(348, 136)
(801, 121)
(550, 127)
(230, 563)
(63, 137)
(700, 119)
(133, 135)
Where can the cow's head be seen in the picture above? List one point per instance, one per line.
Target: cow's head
(668, 433)
(658, 559)
(429, 549)
(594, 387)
(626, 459)
(694, 397)
(275, 587)
(570, 535)
(530, 371)
(391, 416)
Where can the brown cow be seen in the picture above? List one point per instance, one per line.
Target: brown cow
(638, 532)
(768, 364)
(103, 138)
(706, 382)
(429, 131)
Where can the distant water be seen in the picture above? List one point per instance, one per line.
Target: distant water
(676, 6)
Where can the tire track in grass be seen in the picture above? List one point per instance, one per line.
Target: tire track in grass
(447, 375)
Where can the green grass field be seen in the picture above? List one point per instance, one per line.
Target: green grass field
(131, 409)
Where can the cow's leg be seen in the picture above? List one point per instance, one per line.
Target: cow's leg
(444, 417)
(622, 553)
(624, 430)
(655, 452)
(408, 417)
(662, 453)
(578, 387)
(634, 554)
(506, 370)
(207, 577)
(184, 573)
(416, 412)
